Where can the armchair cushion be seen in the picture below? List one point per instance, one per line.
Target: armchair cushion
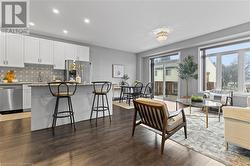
(155, 103)
(175, 122)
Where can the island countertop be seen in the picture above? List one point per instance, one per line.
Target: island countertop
(46, 84)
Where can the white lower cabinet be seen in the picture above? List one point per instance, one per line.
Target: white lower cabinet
(26, 97)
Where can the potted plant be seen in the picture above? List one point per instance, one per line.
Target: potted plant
(124, 78)
(187, 70)
(136, 81)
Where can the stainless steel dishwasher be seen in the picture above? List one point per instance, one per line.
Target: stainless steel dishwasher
(11, 97)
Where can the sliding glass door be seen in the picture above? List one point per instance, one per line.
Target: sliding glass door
(165, 76)
(158, 80)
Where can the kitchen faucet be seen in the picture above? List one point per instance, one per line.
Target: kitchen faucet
(40, 77)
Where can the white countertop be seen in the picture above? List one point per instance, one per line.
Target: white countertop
(46, 84)
(33, 84)
(15, 83)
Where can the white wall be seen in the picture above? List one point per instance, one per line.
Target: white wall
(102, 60)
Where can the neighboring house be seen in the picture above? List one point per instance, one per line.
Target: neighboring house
(210, 74)
(170, 77)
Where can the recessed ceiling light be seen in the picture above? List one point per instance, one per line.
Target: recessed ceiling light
(86, 20)
(32, 24)
(56, 11)
(65, 31)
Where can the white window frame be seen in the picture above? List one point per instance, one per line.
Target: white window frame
(163, 55)
(241, 64)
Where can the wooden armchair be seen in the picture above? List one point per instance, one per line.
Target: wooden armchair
(155, 116)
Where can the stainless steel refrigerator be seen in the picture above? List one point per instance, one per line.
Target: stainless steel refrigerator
(75, 68)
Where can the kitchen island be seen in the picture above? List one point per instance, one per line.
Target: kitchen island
(43, 104)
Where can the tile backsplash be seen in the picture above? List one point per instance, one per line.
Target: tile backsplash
(30, 73)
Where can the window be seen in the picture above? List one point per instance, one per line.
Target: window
(155, 72)
(226, 67)
(210, 77)
(166, 59)
(247, 71)
(229, 72)
(168, 72)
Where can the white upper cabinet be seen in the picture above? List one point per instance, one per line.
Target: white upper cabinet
(14, 50)
(82, 53)
(2, 49)
(58, 55)
(31, 50)
(46, 51)
(70, 51)
(38, 51)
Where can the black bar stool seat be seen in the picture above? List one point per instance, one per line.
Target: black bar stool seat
(63, 90)
(101, 89)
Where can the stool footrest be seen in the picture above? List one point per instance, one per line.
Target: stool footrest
(63, 116)
(100, 109)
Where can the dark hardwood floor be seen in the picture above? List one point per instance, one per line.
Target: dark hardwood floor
(105, 145)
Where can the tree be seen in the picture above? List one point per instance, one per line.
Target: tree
(188, 70)
(230, 76)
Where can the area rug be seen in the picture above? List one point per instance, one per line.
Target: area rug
(15, 116)
(123, 105)
(210, 141)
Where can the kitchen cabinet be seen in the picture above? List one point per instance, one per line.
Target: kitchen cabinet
(2, 49)
(70, 51)
(31, 50)
(38, 51)
(58, 55)
(82, 53)
(26, 97)
(46, 51)
(14, 50)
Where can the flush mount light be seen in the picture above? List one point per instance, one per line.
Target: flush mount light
(65, 31)
(161, 34)
(56, 11)
(32, 24)
(86, 20)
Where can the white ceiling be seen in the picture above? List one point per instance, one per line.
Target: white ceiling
(127, 25)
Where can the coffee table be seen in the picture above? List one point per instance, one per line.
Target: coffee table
(205, 105)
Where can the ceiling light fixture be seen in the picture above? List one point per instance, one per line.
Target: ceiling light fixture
(65, 31)
(86, 20)
(161, 34)
(56, 11)
(32, 24)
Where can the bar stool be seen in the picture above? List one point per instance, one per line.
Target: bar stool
(63, 90)
(101, 89)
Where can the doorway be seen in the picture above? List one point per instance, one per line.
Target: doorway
(164, 75)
